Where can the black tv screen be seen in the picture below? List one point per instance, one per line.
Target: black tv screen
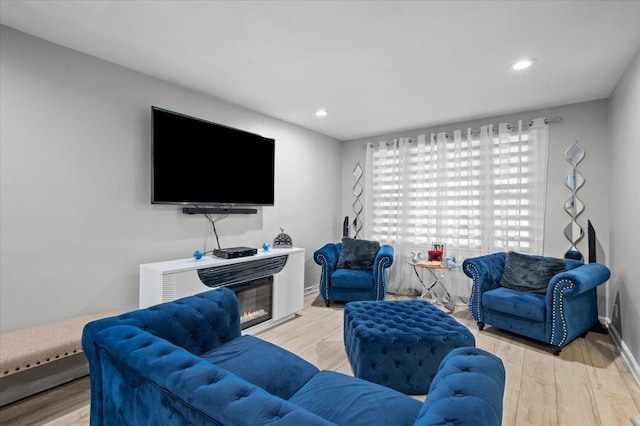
(197, 162)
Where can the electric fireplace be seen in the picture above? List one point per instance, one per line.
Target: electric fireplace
(255, 299)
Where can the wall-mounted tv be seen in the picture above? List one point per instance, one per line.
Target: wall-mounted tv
(195, 162)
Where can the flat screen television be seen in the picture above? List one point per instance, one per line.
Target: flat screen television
(195, 162)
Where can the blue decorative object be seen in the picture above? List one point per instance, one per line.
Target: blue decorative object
(352, 284)
(265, 247)
(566, 310)
(197, 255)
(400, 344)
(186, 363)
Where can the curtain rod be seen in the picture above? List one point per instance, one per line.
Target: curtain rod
(556, 119)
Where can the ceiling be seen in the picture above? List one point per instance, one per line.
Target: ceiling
(376, 66)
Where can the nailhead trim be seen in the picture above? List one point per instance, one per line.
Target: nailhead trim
(324, 288)
(559, 290)
(385, 262)
(475, 290)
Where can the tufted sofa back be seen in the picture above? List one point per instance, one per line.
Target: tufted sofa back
(193, 323)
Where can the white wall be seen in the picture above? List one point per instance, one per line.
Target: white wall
(76, 220)
(624, 133)
(585, 122)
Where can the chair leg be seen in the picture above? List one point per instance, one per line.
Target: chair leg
(327, 303)
(583, 335)
(556, 350)
(480, 325)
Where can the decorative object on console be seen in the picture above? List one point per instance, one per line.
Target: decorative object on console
(574, 206)
(357, 205)
(197, 255)
(282, 240)
(566, 310)
(265, 247)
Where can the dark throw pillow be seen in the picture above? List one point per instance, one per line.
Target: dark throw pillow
(357, 254)
(528, 273)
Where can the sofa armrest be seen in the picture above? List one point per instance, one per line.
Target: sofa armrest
(467, 390)
(327, 257)
(384, 257)
(571, 302)
(327, 254)
(486, 272)
(579, 280)
(147, 380)
(382, 262)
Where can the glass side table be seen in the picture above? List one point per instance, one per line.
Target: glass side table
(435, 291)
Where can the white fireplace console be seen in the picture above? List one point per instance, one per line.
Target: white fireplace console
(165, 281)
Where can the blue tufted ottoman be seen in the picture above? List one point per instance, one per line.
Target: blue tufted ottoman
(400, 344)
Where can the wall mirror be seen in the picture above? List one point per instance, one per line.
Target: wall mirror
(574, 206)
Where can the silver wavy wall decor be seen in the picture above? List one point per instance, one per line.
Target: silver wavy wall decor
(574, 206)
(357, 205)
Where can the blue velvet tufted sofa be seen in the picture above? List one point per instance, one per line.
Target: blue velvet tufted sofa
(567, 308)
(186, 363)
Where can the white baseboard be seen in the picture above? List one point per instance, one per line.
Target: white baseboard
(311, 289)
(632, 363)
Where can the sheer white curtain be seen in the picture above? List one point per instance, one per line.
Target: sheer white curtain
(476, 191)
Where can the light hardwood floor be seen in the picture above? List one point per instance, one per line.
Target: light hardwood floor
(588, 384)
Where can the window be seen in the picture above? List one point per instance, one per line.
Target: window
(479, 192)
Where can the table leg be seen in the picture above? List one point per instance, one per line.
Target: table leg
(445, 301)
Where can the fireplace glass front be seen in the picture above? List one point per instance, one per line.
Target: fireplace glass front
(255, 300)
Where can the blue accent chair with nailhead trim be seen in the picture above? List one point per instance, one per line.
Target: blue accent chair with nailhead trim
(566, 310)
(348, 285)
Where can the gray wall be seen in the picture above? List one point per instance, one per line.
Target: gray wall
(584, 122)
(624, 133)
(76, 220)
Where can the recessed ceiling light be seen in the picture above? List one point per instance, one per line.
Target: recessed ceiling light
(523, 64)
(321, 113)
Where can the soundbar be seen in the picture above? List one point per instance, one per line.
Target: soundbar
(217, 210)
(234, 252)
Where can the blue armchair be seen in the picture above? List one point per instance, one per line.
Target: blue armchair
(557, 315)
(348, 285)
